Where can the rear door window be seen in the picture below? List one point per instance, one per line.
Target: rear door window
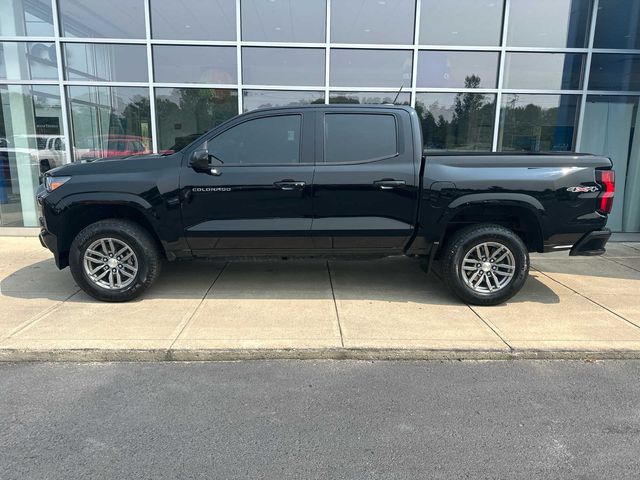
(359, 137)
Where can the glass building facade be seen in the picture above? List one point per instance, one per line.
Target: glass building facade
(85, 79)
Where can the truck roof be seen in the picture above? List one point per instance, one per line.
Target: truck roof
(354, 106)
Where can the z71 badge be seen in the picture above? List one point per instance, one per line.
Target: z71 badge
(582, 189)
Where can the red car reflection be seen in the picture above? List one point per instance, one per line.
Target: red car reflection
(117, 146)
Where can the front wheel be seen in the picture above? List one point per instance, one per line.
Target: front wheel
(485, 264)
(114, 260)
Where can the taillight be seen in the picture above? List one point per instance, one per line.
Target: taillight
(607, 180)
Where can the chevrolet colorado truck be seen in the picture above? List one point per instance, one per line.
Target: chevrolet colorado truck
(324, 181)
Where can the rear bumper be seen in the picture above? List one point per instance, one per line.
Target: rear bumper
(591, 244)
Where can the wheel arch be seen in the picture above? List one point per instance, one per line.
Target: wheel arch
(523, 218)
(83, 212)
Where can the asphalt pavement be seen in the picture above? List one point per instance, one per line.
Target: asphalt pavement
(320, 419)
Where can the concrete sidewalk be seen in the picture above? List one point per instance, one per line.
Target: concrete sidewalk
(569, 308)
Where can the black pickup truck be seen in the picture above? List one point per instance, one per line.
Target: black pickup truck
(324, 181)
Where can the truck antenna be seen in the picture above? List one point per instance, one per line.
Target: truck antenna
(397, 94)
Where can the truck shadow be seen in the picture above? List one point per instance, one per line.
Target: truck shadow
(389, 280)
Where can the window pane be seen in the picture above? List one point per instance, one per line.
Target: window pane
(372, 21)
(456, 121)
(283, 66)
(353, 137)
(254, 99)
(617, 24)
(538, 122)
(194, 64)
(26, 17)
(183, 114)
(193, 19)
(31, 142)
(28, 61)
(105, 62)
(611, 127)
(549, 23)
(461, 22)
(544, 70)
(109, 121)
(457, 69)
(371, 68)
(280, 21)
(261, 141)
(100, 18)
(370, 97)
(614, 72)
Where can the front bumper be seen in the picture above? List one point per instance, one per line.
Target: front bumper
(49, 241)
(591, 244)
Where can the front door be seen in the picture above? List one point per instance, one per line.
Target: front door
(256, 198)
(365, 194)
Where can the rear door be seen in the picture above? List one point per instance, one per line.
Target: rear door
(365, 192)
(258, 200)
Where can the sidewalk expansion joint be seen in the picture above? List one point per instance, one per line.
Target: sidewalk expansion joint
(492, 328)
(335, 305)
(589, 299)
(41, 315)
(195, 310)
(622, 264)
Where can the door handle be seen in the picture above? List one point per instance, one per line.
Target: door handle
(290, 185)
(389, 184)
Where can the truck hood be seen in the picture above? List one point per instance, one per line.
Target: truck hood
(111, 165)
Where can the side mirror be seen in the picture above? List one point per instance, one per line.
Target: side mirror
(199, 161)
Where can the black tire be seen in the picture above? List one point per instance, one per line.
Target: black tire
(147, 255)
(462, 243)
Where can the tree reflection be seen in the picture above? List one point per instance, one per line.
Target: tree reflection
(538, 122)
(460, 121)
(184, 113)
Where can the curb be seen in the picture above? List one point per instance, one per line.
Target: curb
(213, 355)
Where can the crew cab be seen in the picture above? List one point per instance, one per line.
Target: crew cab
(324, 181)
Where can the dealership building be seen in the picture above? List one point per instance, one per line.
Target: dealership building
(86, 79)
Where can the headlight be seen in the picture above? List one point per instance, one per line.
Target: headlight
(51, 183)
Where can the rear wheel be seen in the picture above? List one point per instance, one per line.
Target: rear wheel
(114, 260)
(485, 264)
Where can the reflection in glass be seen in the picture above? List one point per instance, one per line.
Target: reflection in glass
(280, 21)
(445, 69)
(549, 23)
(26, 18)
(551, 71)
(183, 114)
(370, 68)
(254, 99)
(274, 140)
(615, 72)
(283, 66)
(105, 62)
(109, 121)
(193, 19)
(194, 64)
(100, 18)
(538, 122)
(461, 22)
(372, 21)
(617, 24)
(375, 98)
(456, 121)
(611, 127)
(28, 61)
(31, 142)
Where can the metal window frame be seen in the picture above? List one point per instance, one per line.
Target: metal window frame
(148, 41)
